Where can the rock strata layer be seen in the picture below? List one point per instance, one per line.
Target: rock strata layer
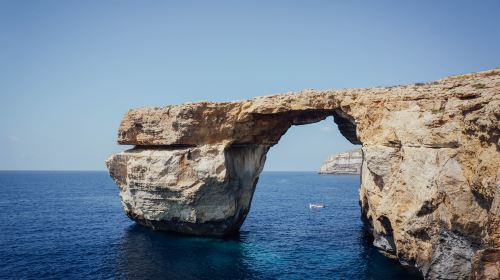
(345, 163)
(429, 178)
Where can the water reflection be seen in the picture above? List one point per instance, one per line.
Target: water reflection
(280, 239)
(78, 230)
(147, 254)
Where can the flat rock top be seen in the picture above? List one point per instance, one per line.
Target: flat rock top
(262, 120)
(356, 153)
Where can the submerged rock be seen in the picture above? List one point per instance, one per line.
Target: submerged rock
(345, 163)
(429, 179)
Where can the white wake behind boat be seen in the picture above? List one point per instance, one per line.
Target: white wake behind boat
(316, 205)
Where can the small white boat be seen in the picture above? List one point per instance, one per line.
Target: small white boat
(316, 205)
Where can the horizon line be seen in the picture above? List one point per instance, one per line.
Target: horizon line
(104, 170)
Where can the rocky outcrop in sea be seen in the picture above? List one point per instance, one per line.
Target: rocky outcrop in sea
(345, 163)
(429, 179)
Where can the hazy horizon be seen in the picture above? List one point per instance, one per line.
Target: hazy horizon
(70, 70)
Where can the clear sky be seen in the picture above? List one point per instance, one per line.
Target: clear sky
(70, 69)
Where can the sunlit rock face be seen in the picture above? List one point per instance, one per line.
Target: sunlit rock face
(429, 178)
(203, 190)
(345, 163)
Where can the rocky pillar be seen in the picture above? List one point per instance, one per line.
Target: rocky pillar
(205, 190)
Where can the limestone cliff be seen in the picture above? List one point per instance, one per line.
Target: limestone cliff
(345, 163)
(429, 179)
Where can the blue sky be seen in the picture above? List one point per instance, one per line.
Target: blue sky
(70, 69)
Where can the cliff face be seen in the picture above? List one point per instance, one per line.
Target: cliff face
(429, 180)
(347, 163)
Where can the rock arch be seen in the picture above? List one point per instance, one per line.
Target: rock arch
(430, 176)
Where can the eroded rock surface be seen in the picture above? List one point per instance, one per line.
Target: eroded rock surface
(204, 190)
(429, 184)
(345, 163)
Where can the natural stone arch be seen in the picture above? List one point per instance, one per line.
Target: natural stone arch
(429, 184)
(216, 201)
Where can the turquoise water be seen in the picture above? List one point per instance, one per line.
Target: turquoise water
(70, 225)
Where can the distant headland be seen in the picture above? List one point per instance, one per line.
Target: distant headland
(344, 163)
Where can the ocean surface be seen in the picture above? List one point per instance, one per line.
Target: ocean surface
(70, 225)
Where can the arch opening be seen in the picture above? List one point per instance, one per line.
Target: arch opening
(305, 146)
(245, 161)
(280, 212)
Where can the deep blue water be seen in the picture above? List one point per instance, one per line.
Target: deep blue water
(70, 225)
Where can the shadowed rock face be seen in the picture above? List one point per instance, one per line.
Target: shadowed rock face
(429, 178)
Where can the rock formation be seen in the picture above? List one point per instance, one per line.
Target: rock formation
(345, 163)
(430, 178)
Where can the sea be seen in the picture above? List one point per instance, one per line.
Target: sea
(70, 225)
